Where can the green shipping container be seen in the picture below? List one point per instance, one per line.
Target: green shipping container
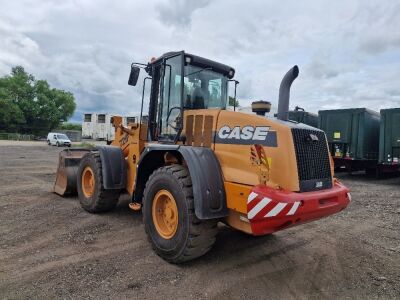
(389, 139)
(304, 117)
(353, 134)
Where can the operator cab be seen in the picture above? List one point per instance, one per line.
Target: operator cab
(181, 81)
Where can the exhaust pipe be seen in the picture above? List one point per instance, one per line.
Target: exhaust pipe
(284, 93)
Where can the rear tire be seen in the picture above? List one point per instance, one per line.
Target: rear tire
(93, 197)
(192, 237)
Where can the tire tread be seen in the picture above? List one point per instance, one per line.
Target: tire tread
(202, 233)
(106, 199)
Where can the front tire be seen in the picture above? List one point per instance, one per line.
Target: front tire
(173, 229)
(92, 195)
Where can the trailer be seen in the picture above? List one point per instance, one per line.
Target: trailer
(389, 140)
(129, 120)
(353, 137)
(301, 116)
(98, 126)
(103, 130)
(88, 124)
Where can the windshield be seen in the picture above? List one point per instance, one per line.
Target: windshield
(62, 137)
(204, 88)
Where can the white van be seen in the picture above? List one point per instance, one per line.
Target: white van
(58, 139)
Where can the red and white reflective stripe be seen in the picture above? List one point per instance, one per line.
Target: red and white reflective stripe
(276, 210)
(273, 211)
(293, 209)
(251, 197)
(256, 209)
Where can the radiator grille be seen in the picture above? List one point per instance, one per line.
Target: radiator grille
(312, 159)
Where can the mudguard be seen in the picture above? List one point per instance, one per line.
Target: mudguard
(113, 167)
(205, 172)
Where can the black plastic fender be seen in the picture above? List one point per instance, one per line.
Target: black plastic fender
(113, 167)
(205, 172)
(208, 185)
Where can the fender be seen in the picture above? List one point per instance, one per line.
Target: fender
(205, 172)
(113, 167)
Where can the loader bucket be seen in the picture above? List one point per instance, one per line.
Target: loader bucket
(68, 164)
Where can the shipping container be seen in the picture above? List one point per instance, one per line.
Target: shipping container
(389, 139)
(301, 116)
(353, 136)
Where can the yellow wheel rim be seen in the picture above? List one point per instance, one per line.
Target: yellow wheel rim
(165, 214)
(88, 182)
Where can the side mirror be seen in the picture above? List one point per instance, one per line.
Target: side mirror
(133, 77)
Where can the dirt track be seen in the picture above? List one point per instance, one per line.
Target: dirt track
(51, 248)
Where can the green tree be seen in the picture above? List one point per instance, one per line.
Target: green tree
(11, 117)
(12, 89)
(70, 126)
(233, 101)
(43, 108)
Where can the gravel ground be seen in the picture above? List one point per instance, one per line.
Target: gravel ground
(51, 248)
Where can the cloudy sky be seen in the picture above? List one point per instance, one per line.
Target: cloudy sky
(348, 52)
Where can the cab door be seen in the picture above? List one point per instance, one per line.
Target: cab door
(170, 104)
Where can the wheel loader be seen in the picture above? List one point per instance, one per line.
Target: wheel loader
(191, 163)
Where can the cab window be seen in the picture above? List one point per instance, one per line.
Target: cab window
(204, 88)
(171, 98)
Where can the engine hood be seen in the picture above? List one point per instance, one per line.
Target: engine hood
(251, 147)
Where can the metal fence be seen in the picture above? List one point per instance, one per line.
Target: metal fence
(16, 137)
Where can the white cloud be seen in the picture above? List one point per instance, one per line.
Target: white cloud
(179, 12)
(348, 52)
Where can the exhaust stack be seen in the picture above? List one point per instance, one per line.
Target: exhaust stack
(284, 93)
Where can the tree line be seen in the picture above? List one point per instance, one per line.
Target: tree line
(31, 106)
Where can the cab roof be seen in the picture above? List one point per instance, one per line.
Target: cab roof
(201, 62)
